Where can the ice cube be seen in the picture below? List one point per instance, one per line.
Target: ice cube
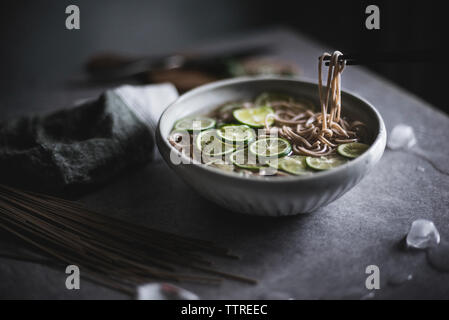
(401, 137)
(422, 235)
(164, 291)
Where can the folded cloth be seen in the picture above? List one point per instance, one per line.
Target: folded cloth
(69, 150)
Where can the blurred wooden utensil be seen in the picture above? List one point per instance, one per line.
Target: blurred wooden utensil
(111, 66)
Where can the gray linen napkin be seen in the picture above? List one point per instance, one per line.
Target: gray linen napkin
(85, 146)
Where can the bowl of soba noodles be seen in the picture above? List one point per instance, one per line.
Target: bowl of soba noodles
(272, 146)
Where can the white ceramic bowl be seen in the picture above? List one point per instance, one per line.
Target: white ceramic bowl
(264, 195)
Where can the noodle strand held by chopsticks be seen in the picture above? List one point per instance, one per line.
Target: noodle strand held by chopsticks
(323, 100)
(318, 134)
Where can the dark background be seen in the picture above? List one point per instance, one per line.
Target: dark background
(37, 50)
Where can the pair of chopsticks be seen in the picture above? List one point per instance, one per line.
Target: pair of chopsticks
(386, 57)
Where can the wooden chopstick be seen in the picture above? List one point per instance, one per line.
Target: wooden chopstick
(385, 57)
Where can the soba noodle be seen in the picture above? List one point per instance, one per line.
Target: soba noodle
(317, 134)
(310, 133)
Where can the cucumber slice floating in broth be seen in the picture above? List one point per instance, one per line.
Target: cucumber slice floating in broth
(265, 98)
(195, 124)
(220, 164)
(236, 134)
(352, 150)
(270, 147)
(325, 162)
(294, 165)
(211, 145)
(228, 107)
(246, 160)
(254, 117)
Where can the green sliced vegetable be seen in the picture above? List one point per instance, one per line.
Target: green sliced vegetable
(222, 165)
(211, 145)
(270, 147)
(274, 163)
(254, 117)
(352, 150)
(225, 111)
(265, 98)
(246, 160)
(236, 134)
(195, 124)
(294, 165)
(325, 162)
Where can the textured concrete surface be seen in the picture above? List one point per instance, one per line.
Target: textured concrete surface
(321, 255)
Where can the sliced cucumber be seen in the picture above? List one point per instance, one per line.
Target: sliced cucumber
(270, 147)
(222, 165)
(325, 162)
(230, 106)
(294, 165)
(254, 117)
(236, 134)
(211, 145)
(244, 159)
(274, 163)
(195, 124)
(265, 98)
(352, 150)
